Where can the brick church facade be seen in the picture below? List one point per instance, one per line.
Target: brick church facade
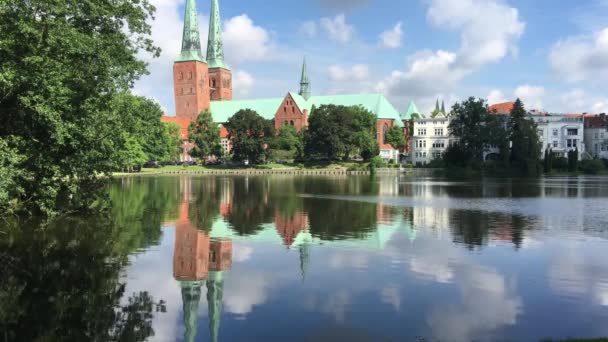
(203, 83)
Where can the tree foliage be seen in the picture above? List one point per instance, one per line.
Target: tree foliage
(338, 132)
(395, 137)
(475, 128)
(523, 134)
(250, 134)
(288, 143)
(62, 64)
(205, 134)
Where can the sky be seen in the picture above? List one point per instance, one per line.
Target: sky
(553, 54)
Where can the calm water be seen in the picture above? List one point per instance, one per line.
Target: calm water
(315, 259)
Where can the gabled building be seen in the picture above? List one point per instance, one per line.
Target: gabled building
(596, 135)
(205, 83)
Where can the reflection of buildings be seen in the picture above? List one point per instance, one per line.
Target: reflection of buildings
(198, 259)
(292, 229)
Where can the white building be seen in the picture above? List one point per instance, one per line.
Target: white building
(430, 139)
(596, 135)
(560, 132)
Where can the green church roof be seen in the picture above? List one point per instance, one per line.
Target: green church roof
(411, 110)
(215, 45)
(191, 40)
(267, 108)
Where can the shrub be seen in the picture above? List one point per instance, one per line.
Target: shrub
(592, 166)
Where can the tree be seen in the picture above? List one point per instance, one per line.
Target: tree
(250, 134)
(338, 132)
(395, 137)
(474, 127)
(526, 147)
(62, 64)
(573, 160)
(205, 134)
(173, 140)
(287, 143)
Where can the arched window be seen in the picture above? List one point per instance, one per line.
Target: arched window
(190, 75)
(293, 109)
(213, 83)
(384, 133)
(181, 75)
(286, 123)
(284, 109)
(291, 123)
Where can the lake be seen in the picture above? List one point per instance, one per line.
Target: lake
(344, 258)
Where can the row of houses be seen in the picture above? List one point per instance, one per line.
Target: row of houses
(561, 133)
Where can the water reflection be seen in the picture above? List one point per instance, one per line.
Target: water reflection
(318, 259)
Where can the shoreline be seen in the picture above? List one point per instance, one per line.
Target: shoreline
(261, 172)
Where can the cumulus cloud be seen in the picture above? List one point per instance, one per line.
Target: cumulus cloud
(391, 39)
(308, 29)
(532, 96)
(349, 79)
(581, 58)
(243, 83)
(245, 41)
(338, 29)
(496, 96)
(489, 30)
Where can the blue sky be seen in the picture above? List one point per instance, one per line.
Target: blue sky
(552, 54)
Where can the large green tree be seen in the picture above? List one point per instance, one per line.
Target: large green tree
(173, 137)
(476, 129)
(250, 134)
(336, 132)
(523, 134)
(62, 64)
(288, 143)
(205, 134)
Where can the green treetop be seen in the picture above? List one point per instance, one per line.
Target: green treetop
(205, 134)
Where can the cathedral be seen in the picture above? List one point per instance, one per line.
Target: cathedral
(205, 83)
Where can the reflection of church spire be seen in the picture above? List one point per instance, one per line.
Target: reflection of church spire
(191, 295)
(304, 259)
(215, 294)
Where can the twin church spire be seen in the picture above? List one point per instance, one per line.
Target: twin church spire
(191, 40)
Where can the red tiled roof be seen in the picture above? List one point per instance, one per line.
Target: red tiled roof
(502, 108)
(183, 124)
(596, 121)
(223, 132)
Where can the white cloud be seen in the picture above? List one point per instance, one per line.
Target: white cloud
(337, 29)
(489, 30)
(243, 291)
(600, 107)
(391, 39)
(496, 96)
(308, 29)
(353, 79)
(532, 96)
(582, 58)
(244, 41)
(243, 84)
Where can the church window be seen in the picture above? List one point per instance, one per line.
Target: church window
(190, 75)
(284, 109)
(286, 123)
(293, 110)
(181, 75)
(213, 83)
(291, 123)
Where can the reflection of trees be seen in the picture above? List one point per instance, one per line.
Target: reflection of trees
(140, 205)
(251, 207)
(62, 283)
(335, 219)
(205, 207)
(474, 228)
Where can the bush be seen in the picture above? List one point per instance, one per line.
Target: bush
(592, 166)
(560, 163)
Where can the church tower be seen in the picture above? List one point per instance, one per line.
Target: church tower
(190, 70)
(220, 76)
(304, 82)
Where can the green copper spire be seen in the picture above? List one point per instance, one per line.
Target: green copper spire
(411, 111)
(215, 294)
(442, 106)
(437, 105)
(191, 39)
(191, 295)
(304, 259)
(215, 46)
(304, 82)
